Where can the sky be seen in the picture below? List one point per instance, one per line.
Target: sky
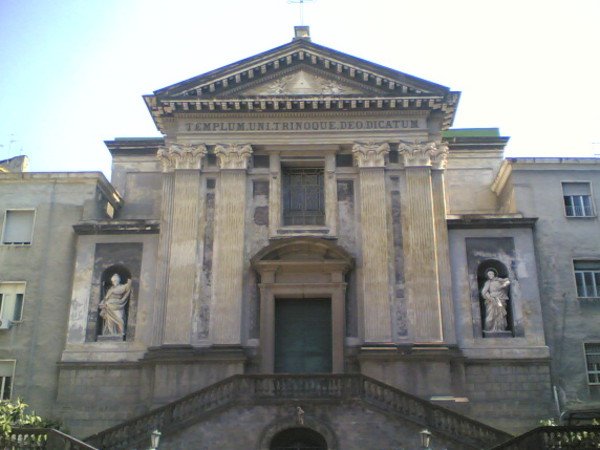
(73, 72)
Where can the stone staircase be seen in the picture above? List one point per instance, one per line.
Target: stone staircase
(262, 389)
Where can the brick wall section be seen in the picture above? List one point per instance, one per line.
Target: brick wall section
(352, 426)
(512, 397)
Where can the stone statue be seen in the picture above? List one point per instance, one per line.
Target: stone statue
(495, 295)
(300, 415)
(112, 307)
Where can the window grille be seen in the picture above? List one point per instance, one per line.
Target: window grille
(303, 196)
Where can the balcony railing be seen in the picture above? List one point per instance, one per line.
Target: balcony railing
(277, 389)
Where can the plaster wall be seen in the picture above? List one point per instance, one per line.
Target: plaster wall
(469, 175)
(569, 322)
(45, 267)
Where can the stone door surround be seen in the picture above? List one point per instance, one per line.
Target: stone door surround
(302, 268)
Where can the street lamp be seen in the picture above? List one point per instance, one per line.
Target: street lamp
(155, 439)
(425, 436)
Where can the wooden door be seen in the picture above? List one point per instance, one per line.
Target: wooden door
(303, 335)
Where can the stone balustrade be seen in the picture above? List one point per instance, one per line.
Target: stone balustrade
(277, 389)
(41, 438)
(555, 438)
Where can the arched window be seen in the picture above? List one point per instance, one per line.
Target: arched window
(495, 302)
(299, 438)
(113, 308)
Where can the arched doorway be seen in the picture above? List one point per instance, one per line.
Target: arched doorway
(298, 439)
(303, 291)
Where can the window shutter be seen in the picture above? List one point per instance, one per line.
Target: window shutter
(576, 189)
(18, 227)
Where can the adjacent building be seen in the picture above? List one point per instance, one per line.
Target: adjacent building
(313, 257)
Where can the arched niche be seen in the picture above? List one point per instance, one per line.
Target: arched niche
(296, 269)
(501, 272)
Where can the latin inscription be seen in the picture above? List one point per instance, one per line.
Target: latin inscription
(321, 125)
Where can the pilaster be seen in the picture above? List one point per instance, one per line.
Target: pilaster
(226, 309)
(375, 288)
(443, 247)
(183, 211)
(423, 236)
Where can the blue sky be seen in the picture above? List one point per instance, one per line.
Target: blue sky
(72, 72)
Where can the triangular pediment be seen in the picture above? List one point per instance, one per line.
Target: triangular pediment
(301, 75)
(302, 68)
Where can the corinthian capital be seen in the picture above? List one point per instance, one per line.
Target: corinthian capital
(428, 154)
(233, 156)
(181, 156)
(370, 154)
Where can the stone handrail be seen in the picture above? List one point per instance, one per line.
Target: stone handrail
(555, 438)
(257, 389)
(41, 438)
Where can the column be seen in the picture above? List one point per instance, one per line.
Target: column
(228, 260)
(375, 288)
(421, 241)
(183, 212)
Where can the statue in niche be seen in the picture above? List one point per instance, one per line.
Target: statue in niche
(495, 296)
(112, 306)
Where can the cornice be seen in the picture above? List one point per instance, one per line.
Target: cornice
(296, 114)
(117, 227)
(502, 177)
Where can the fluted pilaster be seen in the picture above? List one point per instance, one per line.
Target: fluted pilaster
(370, 158)
(181, 240)
(422, 239)
(226, 310)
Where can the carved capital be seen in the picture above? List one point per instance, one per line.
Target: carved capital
(428, 154)
(370, 154)
(181, 156)
(233, 156)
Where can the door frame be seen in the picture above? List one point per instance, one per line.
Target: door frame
(302, 267)
(272, 291)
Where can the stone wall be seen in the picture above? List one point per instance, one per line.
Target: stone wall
(511, 396)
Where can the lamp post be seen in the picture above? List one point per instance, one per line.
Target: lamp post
(155, 439)
(425, 436)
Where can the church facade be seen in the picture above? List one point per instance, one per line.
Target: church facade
(310, 254)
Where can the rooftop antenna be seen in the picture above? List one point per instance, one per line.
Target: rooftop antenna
(301, 3)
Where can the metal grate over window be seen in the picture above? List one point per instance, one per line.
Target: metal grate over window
(303, 196)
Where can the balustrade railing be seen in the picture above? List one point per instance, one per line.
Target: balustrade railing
(555, 438)
(265, 389)
(41, 438)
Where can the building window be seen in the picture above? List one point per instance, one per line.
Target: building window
(578, 199)
(587, 277)
(303, 196)
(18, 227)
(7, 369)
(592, 359)
(11, 303)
